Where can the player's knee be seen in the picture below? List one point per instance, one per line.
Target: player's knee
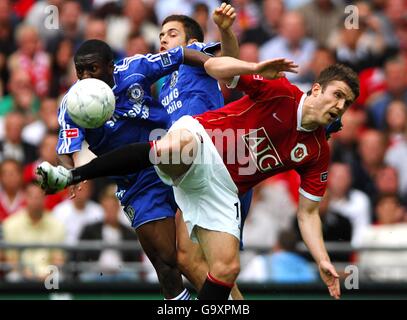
(226, 271)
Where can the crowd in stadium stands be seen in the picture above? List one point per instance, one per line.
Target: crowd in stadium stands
(365, 204)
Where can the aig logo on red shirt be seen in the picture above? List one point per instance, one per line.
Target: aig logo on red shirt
(262, 150)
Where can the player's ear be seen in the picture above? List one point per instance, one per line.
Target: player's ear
(191, 41)
(111, 67)
(316, 89)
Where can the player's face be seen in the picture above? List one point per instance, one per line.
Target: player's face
(92, 66)
(333, 101)
(172, 35)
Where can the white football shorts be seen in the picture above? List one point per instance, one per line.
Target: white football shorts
(206, 193)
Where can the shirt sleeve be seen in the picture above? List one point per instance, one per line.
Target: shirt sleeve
(151, 66)
(258, 88)
(209, 49)
(70, 135)
(314, 177)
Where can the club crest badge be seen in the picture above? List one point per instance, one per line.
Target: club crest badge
(135, 93)
(299, 152)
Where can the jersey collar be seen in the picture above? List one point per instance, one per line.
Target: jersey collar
(299, 114)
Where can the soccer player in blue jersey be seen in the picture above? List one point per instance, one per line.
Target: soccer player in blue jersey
(191, 91)
(148, 203)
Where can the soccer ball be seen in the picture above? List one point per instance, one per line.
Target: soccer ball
(90, 103)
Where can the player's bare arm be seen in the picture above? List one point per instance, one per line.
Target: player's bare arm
(309, 223)
(194, 57)
(225, 68)
(224, 17)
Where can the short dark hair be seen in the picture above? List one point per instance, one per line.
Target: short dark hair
(98, 47)
(192, 28)
(339, 72)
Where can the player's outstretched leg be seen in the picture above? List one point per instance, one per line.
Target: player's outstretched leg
(191, 260)
(158, 241)
(221, 251)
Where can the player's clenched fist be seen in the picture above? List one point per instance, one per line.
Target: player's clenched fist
(224, 16)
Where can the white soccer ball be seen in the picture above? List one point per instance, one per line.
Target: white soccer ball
(90, 103)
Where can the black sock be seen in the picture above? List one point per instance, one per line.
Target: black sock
(214, 289)
(126, 160)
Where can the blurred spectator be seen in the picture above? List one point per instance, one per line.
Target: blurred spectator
(268, 26)
(136, 44)
(291, 43)
(61, 61)
(71, 25)
(321, 17)
(396, 122)
(396, 157)
(47, 153)
(75, 213)
(110, 262)
(21, 97)
(401, 35)
(7, 44)
(165, 8)
(31, 58)
(34, 132)
(372, 147)
(202, 15)
(271, 211)
(96, 28)
(350, 203)
(345, 142)
(387, 182)
(247, 16)
(248, 51)
(395, 11)
(396, 83)
(12, 146)
(359, 47)
(21, 7)
(390, 232)
(33, 225)
(12, 197)
(321, 59)
(38, 14)
(282, 265)
(335, 227)
(134, 19)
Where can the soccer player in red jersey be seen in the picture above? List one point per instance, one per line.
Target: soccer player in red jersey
(211, 158)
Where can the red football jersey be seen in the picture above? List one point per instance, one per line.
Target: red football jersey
(260, 135)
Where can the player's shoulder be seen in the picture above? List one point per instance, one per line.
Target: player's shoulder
(208, 48)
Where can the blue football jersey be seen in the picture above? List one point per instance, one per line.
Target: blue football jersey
(190, 90)
(136, 115)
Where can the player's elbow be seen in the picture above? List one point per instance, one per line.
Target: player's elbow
(211, 67)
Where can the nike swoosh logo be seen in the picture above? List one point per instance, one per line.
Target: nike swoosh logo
(277, 118)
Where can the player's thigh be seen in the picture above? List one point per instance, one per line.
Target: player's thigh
(176, 151)
(158, 239)
(219, 248)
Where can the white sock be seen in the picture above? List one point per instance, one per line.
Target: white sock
(184, 295)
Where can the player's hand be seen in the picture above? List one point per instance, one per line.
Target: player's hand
(331, 278)
(224, 16)
(275, 68)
